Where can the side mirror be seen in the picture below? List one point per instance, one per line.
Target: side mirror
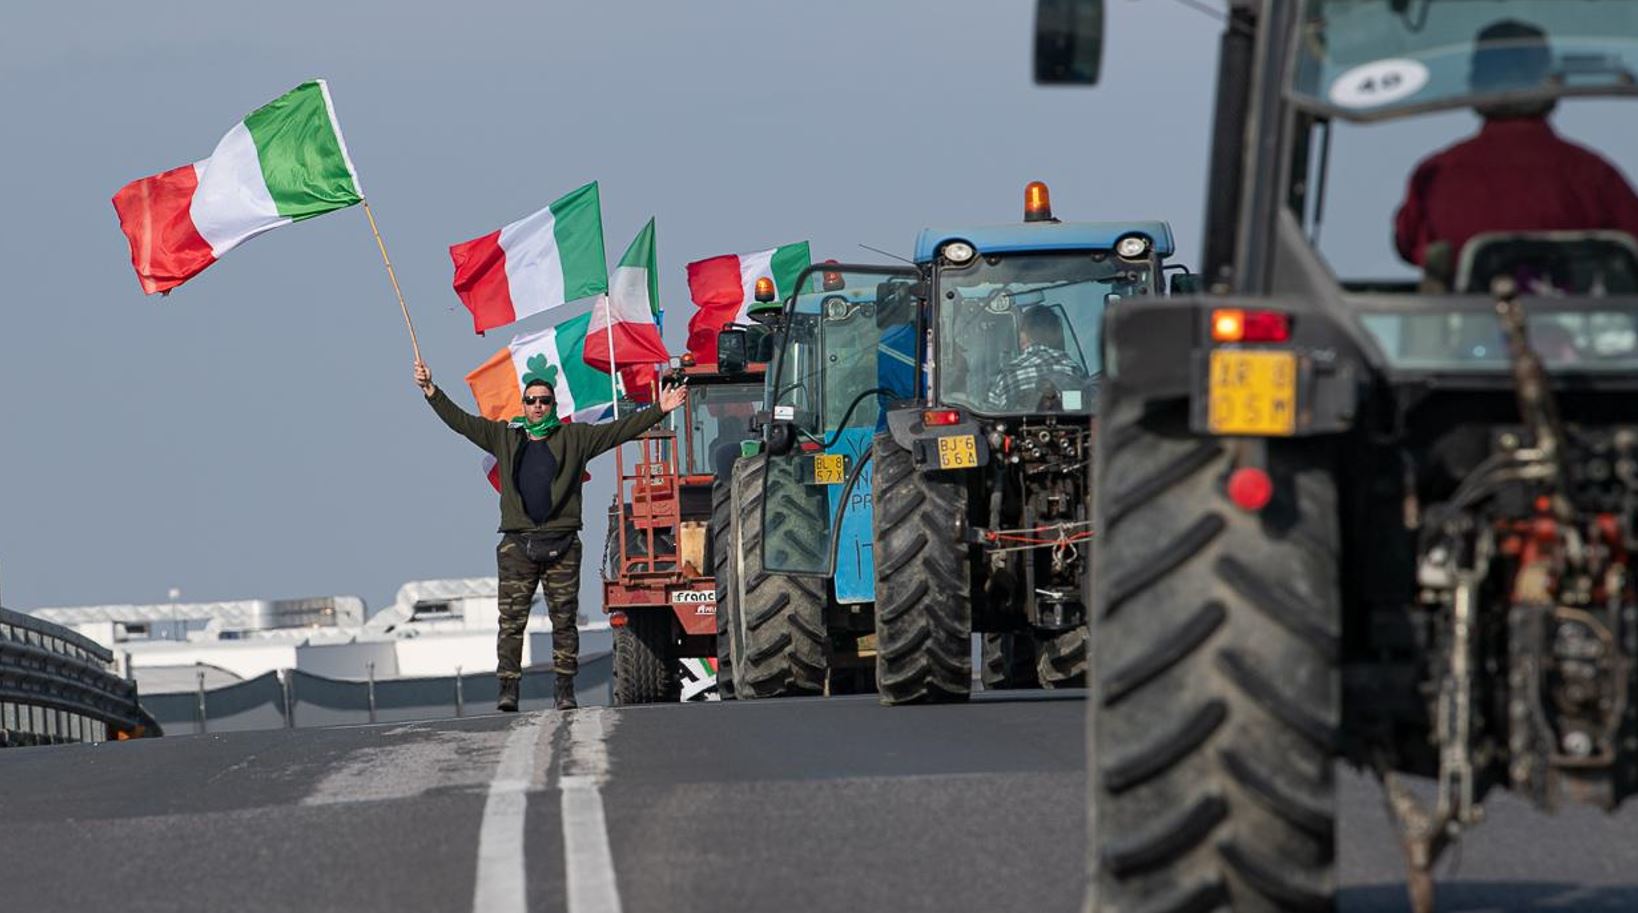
(1068, 42)
(1188, 284)
(732, 351)
(781, 437)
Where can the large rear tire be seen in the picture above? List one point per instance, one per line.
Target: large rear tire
(1060, 658)
(923, 586)
(724, 573)
(645, 659)
(782, 649)
(1216, 695)
(1009, 661)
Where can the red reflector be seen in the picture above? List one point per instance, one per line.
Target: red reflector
(617, 619)
(941, 417)
(1266, 326)
(1250, 489)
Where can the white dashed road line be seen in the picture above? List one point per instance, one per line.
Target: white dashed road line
(502, 884)
(587, 859)
(502, 878)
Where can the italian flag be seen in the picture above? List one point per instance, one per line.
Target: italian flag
(538, 262)
(624, 322)
(286, 161)
(723, 287)
(553, 355)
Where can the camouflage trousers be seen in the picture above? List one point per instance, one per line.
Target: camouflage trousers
(522, 569)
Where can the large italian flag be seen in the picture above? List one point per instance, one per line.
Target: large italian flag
(553, 355)
(624, 322)
(286, 161)
(538, 262)
(723, 287)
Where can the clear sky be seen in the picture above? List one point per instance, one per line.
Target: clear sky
(256, 434)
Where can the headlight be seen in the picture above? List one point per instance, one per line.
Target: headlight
(1132, 246)
(959, 252)
(835, 308)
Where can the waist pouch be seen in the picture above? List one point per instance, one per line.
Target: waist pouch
(546, 548)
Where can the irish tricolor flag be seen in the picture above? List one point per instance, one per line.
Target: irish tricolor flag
(723, 287)
(553, 355)
(538, 262)
(623, 323)
(286, 161)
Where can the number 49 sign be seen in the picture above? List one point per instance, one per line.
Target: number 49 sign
(1379, 83)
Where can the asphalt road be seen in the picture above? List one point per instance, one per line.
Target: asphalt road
(813, 805)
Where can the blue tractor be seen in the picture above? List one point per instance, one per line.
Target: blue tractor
(958, 423)
(983, 520)
(798, 573)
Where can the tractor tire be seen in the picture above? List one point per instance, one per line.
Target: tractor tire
(1060, 658)
(923, 584)
(645, 659)
(1009, 661)
(782, 648)
(723, 572)
(1216, 695)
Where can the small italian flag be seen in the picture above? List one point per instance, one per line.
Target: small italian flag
(624, 322)
(538, 262)
(553, 355)
(286, 161)
(723, 287)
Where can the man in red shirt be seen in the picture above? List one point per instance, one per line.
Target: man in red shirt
(1516, 174)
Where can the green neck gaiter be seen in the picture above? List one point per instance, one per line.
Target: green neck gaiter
(541, 428)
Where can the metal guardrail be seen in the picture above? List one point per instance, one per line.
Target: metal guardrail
(291, 698)
(58, 686)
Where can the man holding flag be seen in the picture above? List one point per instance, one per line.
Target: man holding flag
(541, 462)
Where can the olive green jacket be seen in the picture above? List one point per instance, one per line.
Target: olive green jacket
(573, 444)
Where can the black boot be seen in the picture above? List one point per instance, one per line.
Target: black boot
(565, 692)
(508, 702)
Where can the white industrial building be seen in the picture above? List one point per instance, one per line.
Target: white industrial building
(433, 628)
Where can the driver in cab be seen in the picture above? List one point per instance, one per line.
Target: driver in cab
(1516, 174)
(1041, 357)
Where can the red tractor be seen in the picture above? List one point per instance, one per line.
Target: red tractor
(657, 586)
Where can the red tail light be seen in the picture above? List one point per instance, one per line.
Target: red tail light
(1236, 325)
(941, 417)
(617, 619)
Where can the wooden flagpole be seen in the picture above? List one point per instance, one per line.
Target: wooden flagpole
(414, 344)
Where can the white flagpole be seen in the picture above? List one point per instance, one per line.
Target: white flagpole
(608, 315)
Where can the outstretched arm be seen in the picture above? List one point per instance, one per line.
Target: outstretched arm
(610, 435)
(480, 431)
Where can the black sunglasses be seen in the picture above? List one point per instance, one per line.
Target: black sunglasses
(537, 401)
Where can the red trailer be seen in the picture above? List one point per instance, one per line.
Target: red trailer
(657, 586)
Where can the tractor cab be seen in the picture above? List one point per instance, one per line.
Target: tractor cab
(1016, 311)
(840, 361)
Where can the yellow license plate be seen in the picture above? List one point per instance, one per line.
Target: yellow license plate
(958, 451)
(829, 469)
(1253, 392)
